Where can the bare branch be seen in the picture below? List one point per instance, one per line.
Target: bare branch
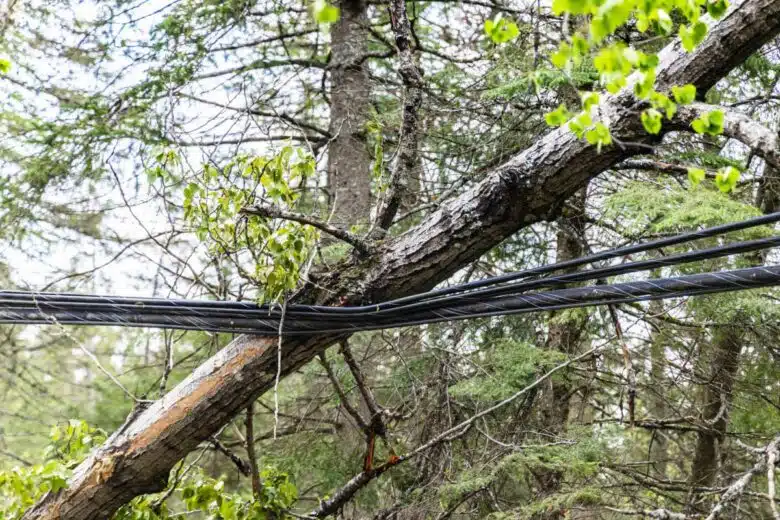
(362, 424)
(249, 423)
(408, 140)
(345, 494)
(738, 488)
(274, 212)
(736, 125)
(240, 463)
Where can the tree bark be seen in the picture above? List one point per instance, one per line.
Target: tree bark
(530, 187)
(565, 335)
(727, 343)
(656, 398)
(349, 161)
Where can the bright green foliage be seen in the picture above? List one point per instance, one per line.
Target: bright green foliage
(658, 19)
(599, 135)
(5, 66)
(651, 120)
(572, 6)
(726, 178)
(589, 100)
(325, 12)
(684, 95)
(213, 207)
(277, 495)
(580, 124)
(73, 441)
(558, 117)
(691, 36)
(717, 8)
(570, 54)
(662, 102)
(616, 61)
(696, 175)
(710, 123)
(21, 487)
(501, 30)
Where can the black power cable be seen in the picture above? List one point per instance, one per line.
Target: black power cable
(438, 293)
(673, 287)
(488, 297)
(59, 302)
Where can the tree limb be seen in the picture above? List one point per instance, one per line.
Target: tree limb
(355, 241)
(736, 125)
(408, 140)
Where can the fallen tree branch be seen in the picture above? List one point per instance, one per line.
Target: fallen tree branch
(736, 125)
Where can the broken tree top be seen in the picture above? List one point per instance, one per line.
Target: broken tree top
(512, 293)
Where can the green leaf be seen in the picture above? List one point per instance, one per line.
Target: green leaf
(560, 58)
(558, 117)
(5, 66)
(692, 36)
(696, 175)
(599, 135)
(324, 12)
(664, 21)
(579, 124)
(662, 102)
(643, 89)
(726, 178)
(710, 123)
(651, 120)
(717, 8)
(716, 122)
(684, 95)
(589, 100)
(571, 6)
(501, 30)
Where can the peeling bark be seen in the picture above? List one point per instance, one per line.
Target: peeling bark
(530, 187)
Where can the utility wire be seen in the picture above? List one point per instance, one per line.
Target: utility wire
(673, 287)
(204, 309)
(505, 294)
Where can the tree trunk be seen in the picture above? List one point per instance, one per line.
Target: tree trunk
(565, 335)
(349, 162)
(656, 397)
(566, 327)
(530, 187)
(726, 344)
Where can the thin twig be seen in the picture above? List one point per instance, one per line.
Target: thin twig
(250, 449)
(355, 241)
(279, 366)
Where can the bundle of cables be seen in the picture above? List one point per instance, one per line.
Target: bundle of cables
(512, 293)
